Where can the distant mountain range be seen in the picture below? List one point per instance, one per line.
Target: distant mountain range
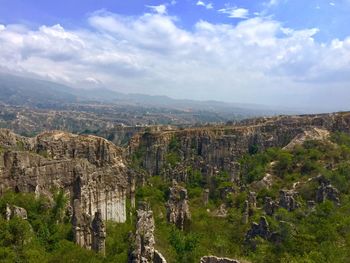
(24, 91)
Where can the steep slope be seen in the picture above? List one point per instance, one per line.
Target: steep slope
(88, 168)
(219, 148)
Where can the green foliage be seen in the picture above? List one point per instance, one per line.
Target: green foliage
(174, 144)
(172, 158)
(183, 244)
(304, 235)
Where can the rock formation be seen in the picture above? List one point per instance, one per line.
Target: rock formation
(81, 226)
(213, 259)
(327, 191)
(15, 211)
(87, 168)
(262, 230)
(144, 251)
(248, 207)
(252, 199)
(178, 211)
(270, 206)
(98, 234)
(245, 217)
(220, 148)
(288, 200)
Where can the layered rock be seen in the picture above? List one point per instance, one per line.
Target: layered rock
(178, 212)
(87, 168)
(81, 222)
(213, 259)
(209, 149)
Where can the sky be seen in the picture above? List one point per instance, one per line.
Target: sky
(289, 53)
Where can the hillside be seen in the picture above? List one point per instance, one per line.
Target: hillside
(263, 190)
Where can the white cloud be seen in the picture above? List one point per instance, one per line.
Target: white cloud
(234, 12)
(160, 9)
(332, 4)
(273, 3)
(151, 54)
(207, 6)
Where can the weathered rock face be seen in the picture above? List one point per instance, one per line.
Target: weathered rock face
(178, 211)
(144, 251)
(288, 200)
(81, 226)
(98, 234)
(15, 211)
(220, 148)
(213, 259)
(87, 168)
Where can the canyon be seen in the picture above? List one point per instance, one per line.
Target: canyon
(100, 178)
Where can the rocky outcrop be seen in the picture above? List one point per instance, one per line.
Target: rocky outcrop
(252, 199)
(81, 222)
(288, 200)
(270, 206)
(213, 259)
(90, 170)
(87, 168)
(15, 211)
(245, 216)
(310, 134)
(262, 230)
(144, 241)
(220, 148)
(248, 207)
(98, 234)
(327, 192)
(178, 211)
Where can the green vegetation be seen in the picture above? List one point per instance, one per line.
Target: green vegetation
(47, 234)
(305, 236)
(319, 235)
(173, 156)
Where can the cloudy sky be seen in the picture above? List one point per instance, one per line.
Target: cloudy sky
(292, 53)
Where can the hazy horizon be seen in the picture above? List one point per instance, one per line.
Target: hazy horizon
(277, 53)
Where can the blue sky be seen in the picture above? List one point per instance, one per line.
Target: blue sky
(277, 52)
(331, 17)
